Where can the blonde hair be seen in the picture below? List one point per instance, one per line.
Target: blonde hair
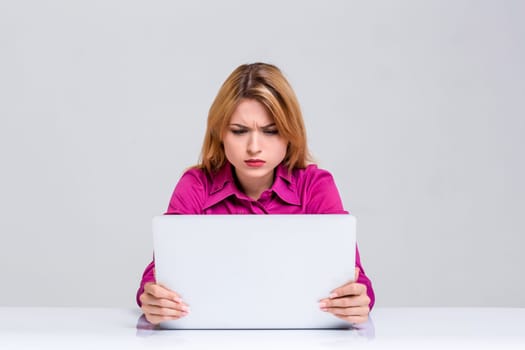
(266, 84)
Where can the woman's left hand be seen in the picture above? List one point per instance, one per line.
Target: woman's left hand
(348, 302)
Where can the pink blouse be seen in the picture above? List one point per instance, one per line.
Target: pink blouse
(303, 191)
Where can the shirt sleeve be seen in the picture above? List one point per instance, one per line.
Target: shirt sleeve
(147, 276)
(187, 198)
(320, 194)
(363, 279)
(189, 194)
(322, 197)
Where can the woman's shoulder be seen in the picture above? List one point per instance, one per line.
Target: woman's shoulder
(195, 172)
(194, 176)
(312, 173)
(190, 192)
(317, 188)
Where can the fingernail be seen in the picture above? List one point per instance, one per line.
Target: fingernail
(322, 304)
(185, 308)
(332, 295)
(177, 299)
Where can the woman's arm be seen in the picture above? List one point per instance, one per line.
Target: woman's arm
(156, 301)
(187, 198)
(321, 196)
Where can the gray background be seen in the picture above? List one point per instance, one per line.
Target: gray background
(416, 107)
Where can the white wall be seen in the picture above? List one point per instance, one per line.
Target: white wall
(415, 106)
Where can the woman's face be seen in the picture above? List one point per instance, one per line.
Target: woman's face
(253, 144)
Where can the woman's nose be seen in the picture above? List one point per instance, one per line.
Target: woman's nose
(254, 146)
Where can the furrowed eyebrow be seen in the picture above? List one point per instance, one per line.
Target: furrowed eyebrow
(246, 127)
(268, 126)
(239, 125)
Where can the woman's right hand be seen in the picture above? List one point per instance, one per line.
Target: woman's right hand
(161, 304)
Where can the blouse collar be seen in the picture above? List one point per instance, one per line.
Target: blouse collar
(223, 185)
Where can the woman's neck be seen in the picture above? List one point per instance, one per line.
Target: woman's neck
(254, 187)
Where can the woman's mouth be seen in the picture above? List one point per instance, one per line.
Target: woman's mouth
(254, 163)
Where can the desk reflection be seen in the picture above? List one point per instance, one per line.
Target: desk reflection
(305, 338)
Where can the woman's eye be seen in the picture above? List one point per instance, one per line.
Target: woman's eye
(271, 132)
(239, 131)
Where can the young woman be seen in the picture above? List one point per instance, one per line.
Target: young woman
(255, 160)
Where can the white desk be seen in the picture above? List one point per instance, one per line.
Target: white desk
(389, 328)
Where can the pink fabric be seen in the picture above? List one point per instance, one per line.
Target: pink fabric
(303, 191)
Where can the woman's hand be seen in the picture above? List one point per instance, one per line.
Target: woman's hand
(161, 304)
(348, 302)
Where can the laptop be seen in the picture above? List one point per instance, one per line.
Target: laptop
(254, 271)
